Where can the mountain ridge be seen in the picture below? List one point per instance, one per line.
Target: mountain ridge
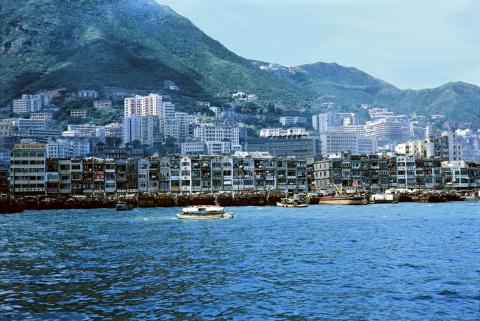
(46, 44)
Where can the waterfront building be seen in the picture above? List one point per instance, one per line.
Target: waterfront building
(445, 147)
(404, 172)
(52, 177)
(4, 178)
(27, 169)
(376, 172)
(429, 173)
(65, 175)
(32, 173)
(344, 169)
(110, 176)
(76, 178)
(461, 174)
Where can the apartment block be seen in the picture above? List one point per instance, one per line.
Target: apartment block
(217, 133)
(337, 141)
(102, 104)
(292, 145)
(30, 103)
(327, 121)
(273, 132)
(78, 113)
(87, 94)
(27, 169)
(292, 120)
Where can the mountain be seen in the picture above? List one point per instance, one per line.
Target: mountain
(137, 44)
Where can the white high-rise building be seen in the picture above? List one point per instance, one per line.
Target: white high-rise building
(389, 130)
(156, 119)
(30, 103)
(176, 127)
(140, 129)
(131, 129)
(150, 105)
(336, 141)
(326, 121)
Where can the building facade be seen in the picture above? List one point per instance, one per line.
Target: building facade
(27, 169)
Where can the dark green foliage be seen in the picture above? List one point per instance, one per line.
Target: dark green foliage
(138, 44)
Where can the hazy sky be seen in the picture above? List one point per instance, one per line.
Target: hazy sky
(410, 43)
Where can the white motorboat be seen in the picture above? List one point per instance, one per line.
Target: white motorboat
(208, 212)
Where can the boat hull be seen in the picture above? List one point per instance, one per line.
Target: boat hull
(279, 204)
(216, 216)
(383, 199)
(123, 207)
(343, 201)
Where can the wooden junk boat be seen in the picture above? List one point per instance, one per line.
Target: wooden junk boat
(341, 197)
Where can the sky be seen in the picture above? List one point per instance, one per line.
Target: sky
(409, 43)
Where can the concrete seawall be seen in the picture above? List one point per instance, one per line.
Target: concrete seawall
(147, 200)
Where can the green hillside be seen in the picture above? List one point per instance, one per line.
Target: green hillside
(138, 44)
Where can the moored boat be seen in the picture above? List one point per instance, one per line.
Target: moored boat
(383, 198)
(298, 200)
(123, 206)
(204, 213)
(356, 197)
(344, 200)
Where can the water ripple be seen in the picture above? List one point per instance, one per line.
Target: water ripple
(401, 262)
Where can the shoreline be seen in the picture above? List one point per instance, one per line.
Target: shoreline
(169, 200)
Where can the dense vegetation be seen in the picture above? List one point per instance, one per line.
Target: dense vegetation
(138, 44)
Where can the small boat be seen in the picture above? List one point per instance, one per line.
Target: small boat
(204, 213)
(298, 200)
(357, 197)
(344, 200)
(123, 206)
(384, 198)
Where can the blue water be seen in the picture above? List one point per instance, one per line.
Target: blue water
(378, 262)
